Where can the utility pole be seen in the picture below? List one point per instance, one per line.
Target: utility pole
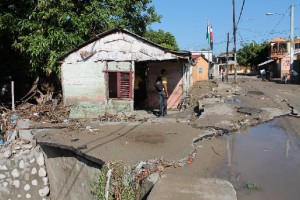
(292, 38)
(234, 40)
(227, 58)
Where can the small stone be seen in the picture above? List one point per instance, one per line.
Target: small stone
(33, 171)
(22, 164)
(2, 176)
(45, 180)
(15, 173)
(34, 182)
(32, 160)
(44, 192)
(7, 153)
(3, 167)
(16, 183)
(40, 159)
(28, 196)
(42, 172)
(27, 146)
(19, 196)
(17, 147)
(5, 184)
(27, 187)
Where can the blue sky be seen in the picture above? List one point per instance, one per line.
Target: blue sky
(187, 21)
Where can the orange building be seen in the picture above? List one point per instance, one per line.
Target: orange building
(200, 69)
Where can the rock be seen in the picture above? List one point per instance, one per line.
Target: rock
(33, 171)
(27, 146)
(27, 187)
(46, 180)
(34, 182)
(28, 196)
(22, 164)
(2, 176)
(19, 196)
(24, 132)
(42, 172)
(17, 147)
(7, 153)
(32, 160)
(40, 160)
(16, 183)
(15, 173)
(44, 191)
(3, 167)
(5, 184)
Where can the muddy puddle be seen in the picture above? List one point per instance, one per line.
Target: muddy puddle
(264, 163)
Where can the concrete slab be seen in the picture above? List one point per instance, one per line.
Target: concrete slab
(23, 127)
(176, 187)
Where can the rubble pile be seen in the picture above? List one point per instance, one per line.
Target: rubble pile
(50, 112)
(117, 180)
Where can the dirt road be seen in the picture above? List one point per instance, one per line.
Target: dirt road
(184, 135)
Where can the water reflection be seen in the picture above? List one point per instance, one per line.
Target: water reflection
(266, 157)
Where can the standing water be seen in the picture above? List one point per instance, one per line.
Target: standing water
(264, 163)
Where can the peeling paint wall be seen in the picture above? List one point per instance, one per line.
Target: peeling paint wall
(85, 89)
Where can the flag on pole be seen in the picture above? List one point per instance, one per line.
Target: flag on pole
(209, 35)
(211, 38)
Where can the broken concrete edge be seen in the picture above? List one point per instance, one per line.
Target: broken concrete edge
(146, 186)
(74, 150)
(173, 187)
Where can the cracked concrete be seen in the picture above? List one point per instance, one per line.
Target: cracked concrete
(171, 137)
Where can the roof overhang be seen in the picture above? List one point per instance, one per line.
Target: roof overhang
(266, 62)
(177, 54)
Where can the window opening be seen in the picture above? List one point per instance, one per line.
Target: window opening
(120, 84)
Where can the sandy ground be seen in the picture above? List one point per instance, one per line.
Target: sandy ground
(227, 107)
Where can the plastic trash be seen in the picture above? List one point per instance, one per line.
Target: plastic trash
(14, 118)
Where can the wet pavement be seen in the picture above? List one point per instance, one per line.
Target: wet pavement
(264, 162)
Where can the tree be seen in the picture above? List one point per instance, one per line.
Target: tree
(252, 54)
(38, 32)
(165, 39)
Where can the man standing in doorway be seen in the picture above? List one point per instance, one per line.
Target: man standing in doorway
(163, 95)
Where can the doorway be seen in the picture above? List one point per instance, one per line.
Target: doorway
(140, 86)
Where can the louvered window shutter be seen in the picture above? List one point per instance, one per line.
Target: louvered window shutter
(124, 84)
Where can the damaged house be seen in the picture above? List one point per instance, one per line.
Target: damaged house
(100, 76)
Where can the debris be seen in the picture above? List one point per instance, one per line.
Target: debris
(81, 147)
(253, 186)
(74, 139)
(190, 160)
(215, 151)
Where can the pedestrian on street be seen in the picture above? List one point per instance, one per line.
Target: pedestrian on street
(162, 93)
(223, 74)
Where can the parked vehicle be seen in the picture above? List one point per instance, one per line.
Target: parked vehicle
(265, 74)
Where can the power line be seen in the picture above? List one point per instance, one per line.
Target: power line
(278, 22)
(244, 1)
